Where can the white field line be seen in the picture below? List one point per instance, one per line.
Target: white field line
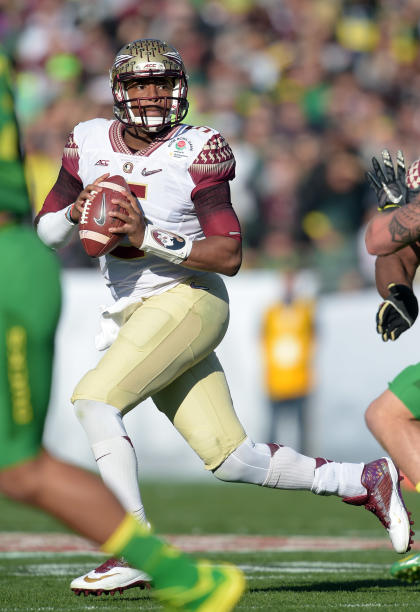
(14, 542)
(252, 571)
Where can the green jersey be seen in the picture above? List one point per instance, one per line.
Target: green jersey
(13, 192)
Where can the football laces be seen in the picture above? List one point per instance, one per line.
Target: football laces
(86, 207)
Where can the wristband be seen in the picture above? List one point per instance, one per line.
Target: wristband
(165, 244)
(68, 214)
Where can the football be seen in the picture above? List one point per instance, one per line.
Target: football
(95, 221)
(412, 178)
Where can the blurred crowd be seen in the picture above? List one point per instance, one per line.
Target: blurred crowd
(305, 91)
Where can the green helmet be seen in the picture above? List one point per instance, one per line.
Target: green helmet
(145, 58)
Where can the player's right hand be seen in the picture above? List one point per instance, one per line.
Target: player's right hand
(77, 207)
(390, 188)
(397, 313)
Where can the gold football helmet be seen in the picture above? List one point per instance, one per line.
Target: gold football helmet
(145, 58)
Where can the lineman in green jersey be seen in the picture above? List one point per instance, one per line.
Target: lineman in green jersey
(29, 311)
(29, 301)
(393, 236)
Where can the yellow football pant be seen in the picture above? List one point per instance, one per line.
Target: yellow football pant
(165, 351)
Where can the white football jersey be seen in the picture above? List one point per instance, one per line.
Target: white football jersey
(163, 177)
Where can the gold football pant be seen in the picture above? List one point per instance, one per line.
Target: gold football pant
(165, 351)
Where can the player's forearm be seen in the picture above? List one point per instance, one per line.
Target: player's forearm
(215, 254)
(392, 269)
(388, 232)
(55, 229)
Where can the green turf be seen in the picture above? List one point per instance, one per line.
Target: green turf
(313, 581)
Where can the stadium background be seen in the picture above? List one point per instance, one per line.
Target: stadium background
(305, 92)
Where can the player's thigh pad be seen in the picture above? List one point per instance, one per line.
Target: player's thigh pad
(406, 386)
(200, 406)
(163, 338)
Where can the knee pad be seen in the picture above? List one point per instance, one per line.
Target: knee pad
(249, 462)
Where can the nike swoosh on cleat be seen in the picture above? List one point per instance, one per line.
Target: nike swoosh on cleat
(101, 219)
(87, 579)
(148, 172)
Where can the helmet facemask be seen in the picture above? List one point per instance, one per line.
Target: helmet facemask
(145, 59)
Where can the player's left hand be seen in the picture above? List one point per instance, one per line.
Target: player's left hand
(390, 188)
(134, 223)
(397, 313)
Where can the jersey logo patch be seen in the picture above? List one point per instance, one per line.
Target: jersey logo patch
(102, 162)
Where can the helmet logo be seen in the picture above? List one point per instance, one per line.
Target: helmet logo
(153, 66)
(121, 59)
(174, 56)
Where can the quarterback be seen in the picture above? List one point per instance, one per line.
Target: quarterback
(171, 308)
(29, 311)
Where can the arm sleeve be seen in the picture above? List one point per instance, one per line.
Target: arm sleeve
(215, 212)
(213, 165)
(68, 184)
(211, 172)
(64, 192)
(55, 230)
(53, 227)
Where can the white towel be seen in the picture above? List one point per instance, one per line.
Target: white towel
(113, 318)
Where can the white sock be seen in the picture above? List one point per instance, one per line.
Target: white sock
(114, 453)
(289, 469)
(281, 467)
(268, 465)
(342, 479)
(249, 462)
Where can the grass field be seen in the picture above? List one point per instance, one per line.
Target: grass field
(278, 579)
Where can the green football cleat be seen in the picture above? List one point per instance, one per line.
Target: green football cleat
(218, 589)
(408, 569)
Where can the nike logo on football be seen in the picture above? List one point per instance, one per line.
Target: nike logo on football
(148, 172)
(87, 579)
(101, 220)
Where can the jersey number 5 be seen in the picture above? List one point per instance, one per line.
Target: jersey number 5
(129, 251)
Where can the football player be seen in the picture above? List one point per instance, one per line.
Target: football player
(170, 307)
(29, 311)
(393, 236)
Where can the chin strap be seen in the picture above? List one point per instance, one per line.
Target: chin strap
(165, 244)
